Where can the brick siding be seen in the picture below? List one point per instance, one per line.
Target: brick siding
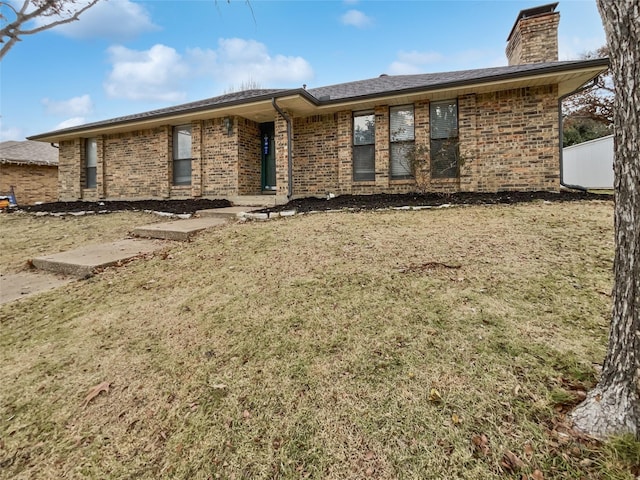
(508, 141)
(315, 165)
(32, 183)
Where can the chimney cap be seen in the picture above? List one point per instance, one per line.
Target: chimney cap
(533, 12)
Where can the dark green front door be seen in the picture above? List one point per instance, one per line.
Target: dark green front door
(268, 149)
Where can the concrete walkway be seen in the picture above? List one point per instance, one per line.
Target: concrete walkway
(67, 266)
(14, 286)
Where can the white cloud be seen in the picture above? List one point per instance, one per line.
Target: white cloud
(71, 122)
(116, 20)
(154, 74)
(74, 106)
(161, 73)
(572, 48)
(237, 60)
(11, 133)
(410, 63)
(356, 18)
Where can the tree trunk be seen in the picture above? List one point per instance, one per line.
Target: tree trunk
(613, 406)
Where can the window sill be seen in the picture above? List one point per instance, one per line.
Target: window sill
(402, 181)
(445, 180)
(364, 182)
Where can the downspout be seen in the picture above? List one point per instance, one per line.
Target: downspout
(289, 150)
(561, 130)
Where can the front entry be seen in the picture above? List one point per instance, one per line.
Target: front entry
(268, 153)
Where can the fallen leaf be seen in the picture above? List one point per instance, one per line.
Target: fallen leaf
(434, 396)
(455, 418)
(537, 475)
(511, 462)
(528, 449)
(481, 444)
(95, 391)
(246, 414)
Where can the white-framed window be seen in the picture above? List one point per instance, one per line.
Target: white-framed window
(445, 152)
(182, 155)
(401, 141)
(364, 148)
(91, 162)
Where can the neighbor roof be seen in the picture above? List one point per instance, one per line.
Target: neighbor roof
(28, 153)
(326, 99)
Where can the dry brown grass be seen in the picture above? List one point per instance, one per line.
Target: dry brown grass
(308, 348)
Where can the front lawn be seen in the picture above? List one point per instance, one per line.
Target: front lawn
(442, 343)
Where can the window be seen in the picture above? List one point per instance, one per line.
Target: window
(364, 149)
(402, 141)
(444, 139)
(182, 155)
(91, 159)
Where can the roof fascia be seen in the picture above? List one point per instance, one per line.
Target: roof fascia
(598, 65)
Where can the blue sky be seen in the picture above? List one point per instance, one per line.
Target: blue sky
(127, 56)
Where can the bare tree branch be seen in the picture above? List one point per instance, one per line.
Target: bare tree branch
(67, 11)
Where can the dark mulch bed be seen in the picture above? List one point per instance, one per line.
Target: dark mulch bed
(370, 202)
(302, 205)
(169, 206)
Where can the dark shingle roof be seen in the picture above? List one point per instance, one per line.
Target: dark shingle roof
(380, 86)
(28, 153)
(222, 100)
(397, 83)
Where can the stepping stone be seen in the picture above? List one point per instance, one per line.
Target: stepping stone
(24, 284)
(86, 260)
(226, 212)
(180, 230)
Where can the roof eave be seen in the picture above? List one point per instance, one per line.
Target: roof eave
(152, 119)
(591, 68)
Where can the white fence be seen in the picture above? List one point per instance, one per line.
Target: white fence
(589, 164)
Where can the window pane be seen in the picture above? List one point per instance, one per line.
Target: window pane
(364, 163)
(364, 129)
(400, 160)
(444, 119)
(182, 172)
(182, 142)
(402, 125)
(92, 152)
(91, 177)
(444, 158)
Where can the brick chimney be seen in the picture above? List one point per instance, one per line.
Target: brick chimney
(534, 36)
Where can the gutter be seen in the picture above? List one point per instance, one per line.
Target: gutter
(289, 150)
(561, 131)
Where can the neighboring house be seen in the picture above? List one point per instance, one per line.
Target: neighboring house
(589, 164)
(31, 168)
(484, 130)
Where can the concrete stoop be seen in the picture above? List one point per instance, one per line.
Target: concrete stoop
(86, 260)
(260, 201)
